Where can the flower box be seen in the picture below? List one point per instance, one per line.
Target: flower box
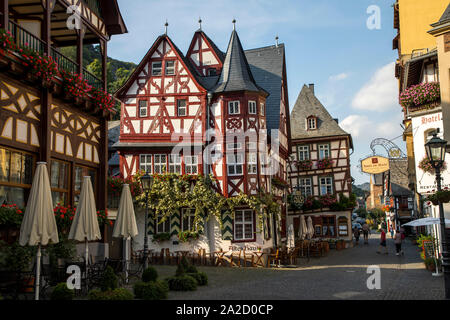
(421, 94)
(325, 164)
(305, 165)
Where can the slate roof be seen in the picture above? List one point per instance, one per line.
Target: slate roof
(236, 74)
(446, 16)
(266, 65)
(308, 105)
(399, 177)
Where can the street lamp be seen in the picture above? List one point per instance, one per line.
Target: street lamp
(147, 183)
(436, 154)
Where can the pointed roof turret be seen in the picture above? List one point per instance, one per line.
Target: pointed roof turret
(236, 74)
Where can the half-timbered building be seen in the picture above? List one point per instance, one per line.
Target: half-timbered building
(209, 112)
(320, 168)
(39, 120)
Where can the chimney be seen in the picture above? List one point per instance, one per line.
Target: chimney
(311, 86)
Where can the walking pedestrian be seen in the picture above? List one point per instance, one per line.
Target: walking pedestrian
(356, 234)
(383, 242)
(398, 242)
(366, 231)
(392, 233)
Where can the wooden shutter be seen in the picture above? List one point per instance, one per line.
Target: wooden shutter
(227, 226)
(175, 224)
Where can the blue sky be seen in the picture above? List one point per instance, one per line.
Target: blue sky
(327, 43)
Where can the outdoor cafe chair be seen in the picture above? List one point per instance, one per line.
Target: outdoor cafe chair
(273, 257)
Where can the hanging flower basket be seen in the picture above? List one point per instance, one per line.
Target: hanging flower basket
(440, 197)
(425, 166)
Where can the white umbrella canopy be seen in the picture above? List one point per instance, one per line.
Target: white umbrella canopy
(310, 227)
(125, 226)
(39, 225)
(303, 232)
(425, 222)
(291, 237)
(85, 223)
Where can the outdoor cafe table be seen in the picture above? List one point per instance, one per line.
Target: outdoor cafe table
(221, 258)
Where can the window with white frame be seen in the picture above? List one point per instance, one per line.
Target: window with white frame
(324, 151)
(263, 109)
(191, 165)
(187, 219)
(170, 68)
(303, 153)
(252, 163)
(181, 108)
(233, 107)
(312, 123)
(252, 146)
(156, 68)
(175, 163)
(234, 146)
(146, 163)
(162, 227)
(252, 107)
(326, 185)
(143, 108)
(243, 225)
(160, 163)
(305, 187)
(235, 163)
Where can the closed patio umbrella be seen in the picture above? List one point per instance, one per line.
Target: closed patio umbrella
(303, 232)
(125, 226)
(425, 222)
(85, 223)
(39, 225)
(310, 228)
(291, 237)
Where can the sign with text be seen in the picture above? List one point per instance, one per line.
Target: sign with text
(375, 165)
(423, 128)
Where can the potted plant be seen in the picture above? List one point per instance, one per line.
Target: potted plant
(187, 236)
(305, 164)
(325, 164)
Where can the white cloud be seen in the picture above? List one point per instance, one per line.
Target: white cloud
(380, 93)
(338, 77)
(364, 129)
(355, 125)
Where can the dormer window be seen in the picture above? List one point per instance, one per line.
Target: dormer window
(311, 123)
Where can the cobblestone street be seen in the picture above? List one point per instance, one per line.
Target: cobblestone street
(340, 275)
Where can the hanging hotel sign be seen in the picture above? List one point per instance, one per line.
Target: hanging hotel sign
(375, 165)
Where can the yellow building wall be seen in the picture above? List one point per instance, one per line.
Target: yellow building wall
(416, 16)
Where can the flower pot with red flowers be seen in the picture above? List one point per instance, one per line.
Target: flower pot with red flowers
(420, 95)
(305, 165)
(425, 166)
(440, 196)
(325, 164)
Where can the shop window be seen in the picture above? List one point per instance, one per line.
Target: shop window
(343, 226)
(59, 180)
(80, 173)
(16, 176)
(187, 219)
(329, 226)
(243, 225)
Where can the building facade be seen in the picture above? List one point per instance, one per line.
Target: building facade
(41, 119)
(208, 113)
(320, 168)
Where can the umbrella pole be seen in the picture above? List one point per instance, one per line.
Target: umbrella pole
(127, 241)
(38, 272)
(87, 262)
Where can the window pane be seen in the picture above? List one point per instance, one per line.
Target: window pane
(54, 178)
(5, 157)
(248, 231)
(239, 232)
(238, 216)
(16, 168)
(239, 169)
(11, 195)
(248, 216)
(28, 171)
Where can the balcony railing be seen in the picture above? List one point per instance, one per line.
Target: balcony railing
(25, 39)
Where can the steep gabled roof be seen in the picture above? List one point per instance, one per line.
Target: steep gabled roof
(267, 65)
(217, 51)
(236, 74)
(308, 105)
(191, 70)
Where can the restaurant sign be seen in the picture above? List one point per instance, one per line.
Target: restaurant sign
(375, 165)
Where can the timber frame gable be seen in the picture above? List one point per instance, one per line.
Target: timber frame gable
(204, 55)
